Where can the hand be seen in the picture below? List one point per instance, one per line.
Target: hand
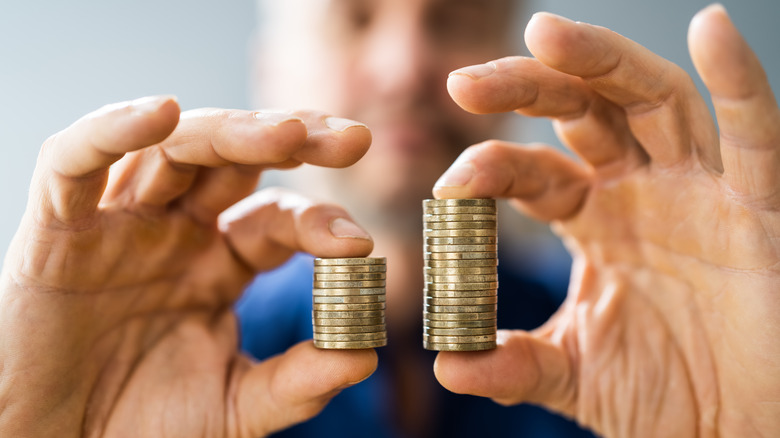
(672, 321)
(117, 291)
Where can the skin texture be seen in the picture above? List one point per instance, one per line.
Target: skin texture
(115, 306)
(671, 324)
(115, 295)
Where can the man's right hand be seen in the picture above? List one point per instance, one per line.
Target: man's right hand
(116, 295)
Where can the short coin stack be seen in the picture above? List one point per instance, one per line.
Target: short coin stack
(461, 278)
(348, 310)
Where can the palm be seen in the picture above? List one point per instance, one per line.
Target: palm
(166, 261)
(165, 329)
(661, 311)
(154, 330)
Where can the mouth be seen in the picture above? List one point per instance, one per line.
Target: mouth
(410, 139)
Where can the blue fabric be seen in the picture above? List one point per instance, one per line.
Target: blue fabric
(275, 313)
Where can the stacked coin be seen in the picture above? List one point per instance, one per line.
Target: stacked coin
(348, 309)
(461, 278)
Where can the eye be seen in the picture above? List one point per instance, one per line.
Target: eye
(360, 17)
(465, 22)
(351, 17)
(455, 23)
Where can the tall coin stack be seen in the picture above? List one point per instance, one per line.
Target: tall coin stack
(461, 278)
(348, 310)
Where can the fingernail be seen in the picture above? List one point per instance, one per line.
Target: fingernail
(147, 105)
(717, 6)
(275, 118)
(556, 17)
(341, 227)
(456, 176)
(476, 71)
(339, 124)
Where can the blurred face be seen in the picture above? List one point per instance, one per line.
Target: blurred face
(384, 63)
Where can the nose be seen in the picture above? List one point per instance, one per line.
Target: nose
(399, 60)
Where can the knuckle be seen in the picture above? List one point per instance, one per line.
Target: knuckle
(50, 143)
(489, 147)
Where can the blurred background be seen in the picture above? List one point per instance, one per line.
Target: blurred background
(62, 59)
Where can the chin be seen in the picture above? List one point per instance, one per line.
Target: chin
(402, 184)
(395, 176)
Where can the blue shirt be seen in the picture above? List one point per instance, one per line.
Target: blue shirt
(275, 313)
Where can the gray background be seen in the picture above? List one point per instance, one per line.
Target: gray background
(60, 59)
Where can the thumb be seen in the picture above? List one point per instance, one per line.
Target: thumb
(525, 367)
(295, 386)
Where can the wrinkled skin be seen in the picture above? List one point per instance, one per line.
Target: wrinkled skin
(672, 321)
(116, 291)
(116, 301)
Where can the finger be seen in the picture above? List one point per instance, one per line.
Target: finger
(745, 106)
(71, 173)
(523, 368)
(214, 190)
(520, 84)
(221, 137)
(231, 141)
(236, 146)
(542, 181)
(265, 229)
(594, 128)
(665, 111)
(332, 141)
(296, 385)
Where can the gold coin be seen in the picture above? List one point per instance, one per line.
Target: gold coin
(460, 248)
(350, 329)
(478, 263)
(460, 309)
(352, 261)
(461, 217)
(430, 331)
(344, 269)
(459, 256)
(459, 210)
(477, 346)
(461, 293)
(353, 276)
(348, 307)
(472, 202)
(460, 233)
(459, 324)
(471, 225)
(459, 316)
(483, 270)
(324, 314)
(348, 284)
(347, 321)
(468, 240)
(459, 339)
(349, 337)
(356, 345)
(349, 299)
(461, 301)
(461, 286)
(349, 291)
(466, 278)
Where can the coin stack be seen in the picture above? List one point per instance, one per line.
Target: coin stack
(461, 278)
(348, 310)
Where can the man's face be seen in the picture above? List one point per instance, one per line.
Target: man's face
(384, 63)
